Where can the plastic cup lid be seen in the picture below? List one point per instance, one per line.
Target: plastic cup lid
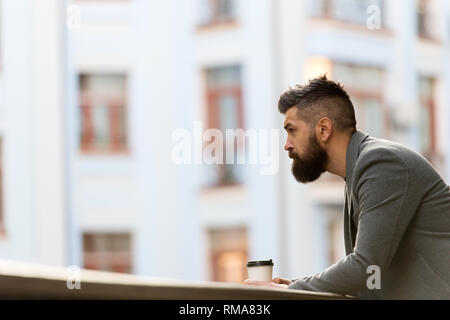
(260, 263)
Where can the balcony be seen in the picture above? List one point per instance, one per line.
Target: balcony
(30, 281)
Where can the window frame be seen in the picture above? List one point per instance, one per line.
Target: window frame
(218, 248)
(362, 93)
(429, 103)
(118, 260)
(214, 20)
(422, 16)
(86, 140)
(212, 97)
(328, 16)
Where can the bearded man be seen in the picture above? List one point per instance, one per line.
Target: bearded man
(397, 206)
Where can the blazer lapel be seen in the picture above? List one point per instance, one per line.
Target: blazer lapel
(351, 225)
(351, 157)
(347, 227)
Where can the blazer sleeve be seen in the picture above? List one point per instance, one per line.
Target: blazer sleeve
(382, 188)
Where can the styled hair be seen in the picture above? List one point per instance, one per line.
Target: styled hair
(320, 97)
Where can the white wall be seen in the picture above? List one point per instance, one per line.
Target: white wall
(17, 148)
(47, 115)
(33, 149)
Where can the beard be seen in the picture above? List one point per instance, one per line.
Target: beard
(310, 167)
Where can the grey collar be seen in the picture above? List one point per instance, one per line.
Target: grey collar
(352, 154)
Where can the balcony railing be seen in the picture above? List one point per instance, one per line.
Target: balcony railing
(30, 281)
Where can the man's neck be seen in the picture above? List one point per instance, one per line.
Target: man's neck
(337, 155)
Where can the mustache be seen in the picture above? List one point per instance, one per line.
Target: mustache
(293, 155)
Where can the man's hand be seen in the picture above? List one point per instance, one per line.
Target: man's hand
(275, 283)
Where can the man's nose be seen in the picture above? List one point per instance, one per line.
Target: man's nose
(288, 146)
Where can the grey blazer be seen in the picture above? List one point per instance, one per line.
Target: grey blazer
(397, 217)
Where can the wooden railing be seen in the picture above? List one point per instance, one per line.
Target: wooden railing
(30, 281)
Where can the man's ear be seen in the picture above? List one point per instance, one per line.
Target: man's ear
(324, 129)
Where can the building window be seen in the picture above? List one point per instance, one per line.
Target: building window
(225, 111)
(424, 28)
(427, 118)
(353, 11)
(335, 234)
(103, 113)
(228, 252)
(217, 11)
(107, 252)
(364, 86)
(2, 221)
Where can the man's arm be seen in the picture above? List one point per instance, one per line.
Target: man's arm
(385, 212)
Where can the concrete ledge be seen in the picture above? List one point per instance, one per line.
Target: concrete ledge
(31, 281)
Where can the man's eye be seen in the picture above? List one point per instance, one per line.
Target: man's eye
(291, 130)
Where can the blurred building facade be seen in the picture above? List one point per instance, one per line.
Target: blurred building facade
(33, 184)
(87, 171)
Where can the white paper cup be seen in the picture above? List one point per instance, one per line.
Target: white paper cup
(260, 270)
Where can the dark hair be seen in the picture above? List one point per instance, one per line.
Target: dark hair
(320, 97)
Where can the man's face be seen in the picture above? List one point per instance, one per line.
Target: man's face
(309, 158)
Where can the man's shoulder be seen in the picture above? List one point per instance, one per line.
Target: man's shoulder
(384, 151)
(380, 158)
(381, 150)
(383, 164)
